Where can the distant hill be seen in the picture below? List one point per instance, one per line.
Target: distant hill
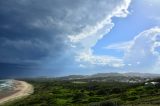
(105, 75)
(70, 77)
(130, 74)
(144, 75)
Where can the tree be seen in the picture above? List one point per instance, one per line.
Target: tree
(78, 97)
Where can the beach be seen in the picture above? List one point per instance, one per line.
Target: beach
(21, 89)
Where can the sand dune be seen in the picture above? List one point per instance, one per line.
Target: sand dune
(22, 89)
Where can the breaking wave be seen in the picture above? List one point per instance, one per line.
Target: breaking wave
(6, 84)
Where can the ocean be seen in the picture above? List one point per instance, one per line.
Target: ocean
(6, 85)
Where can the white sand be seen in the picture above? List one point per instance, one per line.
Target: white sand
(24, 89)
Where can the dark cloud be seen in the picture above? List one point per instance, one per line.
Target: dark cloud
(20, 40)
(35, 31)
(9, 70)
(27, 36)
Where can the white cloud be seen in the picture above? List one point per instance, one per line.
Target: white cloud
(129, 64)
(138, 62)
(119, 46)
(92, 33)
(143, 46)
(156, 18)
(143, 51)
(82, 66)
(89, 36)
(99, 60)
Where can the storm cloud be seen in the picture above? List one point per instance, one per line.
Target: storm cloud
(37, 32)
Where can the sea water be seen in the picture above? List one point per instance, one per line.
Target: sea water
(6, 85)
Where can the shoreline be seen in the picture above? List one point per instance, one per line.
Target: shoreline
(21, 89)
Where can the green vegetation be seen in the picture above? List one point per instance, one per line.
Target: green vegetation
(51, 92)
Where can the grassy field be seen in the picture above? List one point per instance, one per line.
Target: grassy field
(50, 92)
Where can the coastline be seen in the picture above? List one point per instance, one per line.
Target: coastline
(21, 89)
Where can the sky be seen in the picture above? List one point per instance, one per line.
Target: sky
(64, 37)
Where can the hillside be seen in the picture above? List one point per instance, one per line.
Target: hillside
(91, 92)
